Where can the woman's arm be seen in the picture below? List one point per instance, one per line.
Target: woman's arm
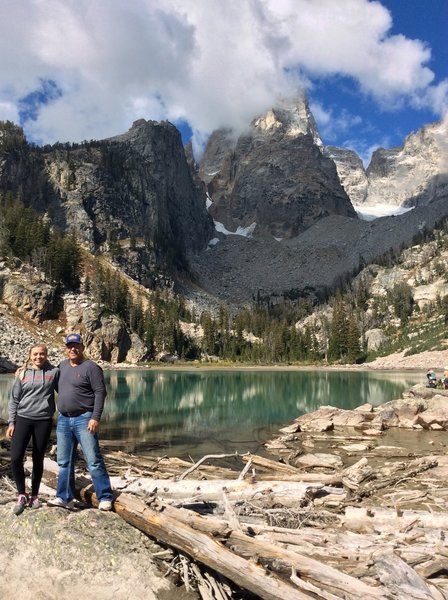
(14, 399)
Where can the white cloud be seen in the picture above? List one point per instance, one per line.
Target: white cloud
(8, 112)
(212, 62)
(331, 123)
(435, 98)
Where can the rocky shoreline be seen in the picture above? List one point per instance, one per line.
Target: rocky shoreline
(374, 494)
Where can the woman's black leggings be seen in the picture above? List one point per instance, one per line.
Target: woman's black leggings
(24, 430)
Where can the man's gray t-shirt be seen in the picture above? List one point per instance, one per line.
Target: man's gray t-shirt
(81, 387)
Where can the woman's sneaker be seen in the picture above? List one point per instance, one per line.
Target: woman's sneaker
(34, 502)
(22, 503)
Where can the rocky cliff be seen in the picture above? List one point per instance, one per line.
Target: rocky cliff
(274, 178)
(412, 175)
(31, 310)
(132, 195)
(351, 173)
(238, 270)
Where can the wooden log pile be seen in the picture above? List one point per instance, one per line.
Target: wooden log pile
(369, 528)
(347, 513)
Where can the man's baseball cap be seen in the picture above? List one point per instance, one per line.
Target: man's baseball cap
(73, 338)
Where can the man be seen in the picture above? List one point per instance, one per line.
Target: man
(432, 378)
(81, 396)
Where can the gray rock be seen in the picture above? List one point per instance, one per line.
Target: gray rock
(269, 176)
(351, 172)
(136, 187)
(105, 335)
(411, 175)
(108, 339)
(33, 298)
(59, 554)
(374, 338)
(238, 270)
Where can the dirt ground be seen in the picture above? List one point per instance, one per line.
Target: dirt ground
(423, 361)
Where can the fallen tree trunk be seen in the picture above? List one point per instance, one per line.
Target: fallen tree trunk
(401, 579)
(203, 548)
(287, 472)
(370, 481)
(193, 535)
(388, 520)
(338, 566)
(198, 545)
(288, 493)
(321, 575)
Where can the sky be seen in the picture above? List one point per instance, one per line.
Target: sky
(74, 70)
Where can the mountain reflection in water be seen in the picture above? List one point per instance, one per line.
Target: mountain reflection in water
(197, 412)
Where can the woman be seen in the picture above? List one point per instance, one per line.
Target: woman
(31, 408)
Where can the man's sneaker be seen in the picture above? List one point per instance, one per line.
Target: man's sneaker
(105, 505)
(34, 502)
(22, 501)
(61, 503)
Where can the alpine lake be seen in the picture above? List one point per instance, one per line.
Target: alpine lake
(189, 413)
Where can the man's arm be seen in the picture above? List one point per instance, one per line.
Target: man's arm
(96, 377)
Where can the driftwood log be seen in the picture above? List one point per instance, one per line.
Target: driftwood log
(205, 549)
(223, 549)
(370, 523)
(287, 494)
(341, 556)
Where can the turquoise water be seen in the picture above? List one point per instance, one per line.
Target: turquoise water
(197, 412)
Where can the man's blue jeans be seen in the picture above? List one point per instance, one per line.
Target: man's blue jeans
(72, 431)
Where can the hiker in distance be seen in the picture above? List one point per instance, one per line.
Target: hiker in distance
(30, 416)
(81, 395)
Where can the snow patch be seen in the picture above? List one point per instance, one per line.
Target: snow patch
(369, 212)
(243, 231)
(220, 227)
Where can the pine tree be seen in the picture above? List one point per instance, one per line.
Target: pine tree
(402, 300)
(337, 343)
(353, 347)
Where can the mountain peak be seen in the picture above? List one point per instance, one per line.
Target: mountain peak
(293, 116)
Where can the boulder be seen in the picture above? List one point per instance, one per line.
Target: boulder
(348, 418)
(328, 461)
(84, 554)
(36, 300)
(107, 338)
(436, 414)
(137, 351)
(374, 339)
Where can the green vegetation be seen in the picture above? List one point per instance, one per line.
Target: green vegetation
(156, 320)
(30, 237)
(11, 136)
